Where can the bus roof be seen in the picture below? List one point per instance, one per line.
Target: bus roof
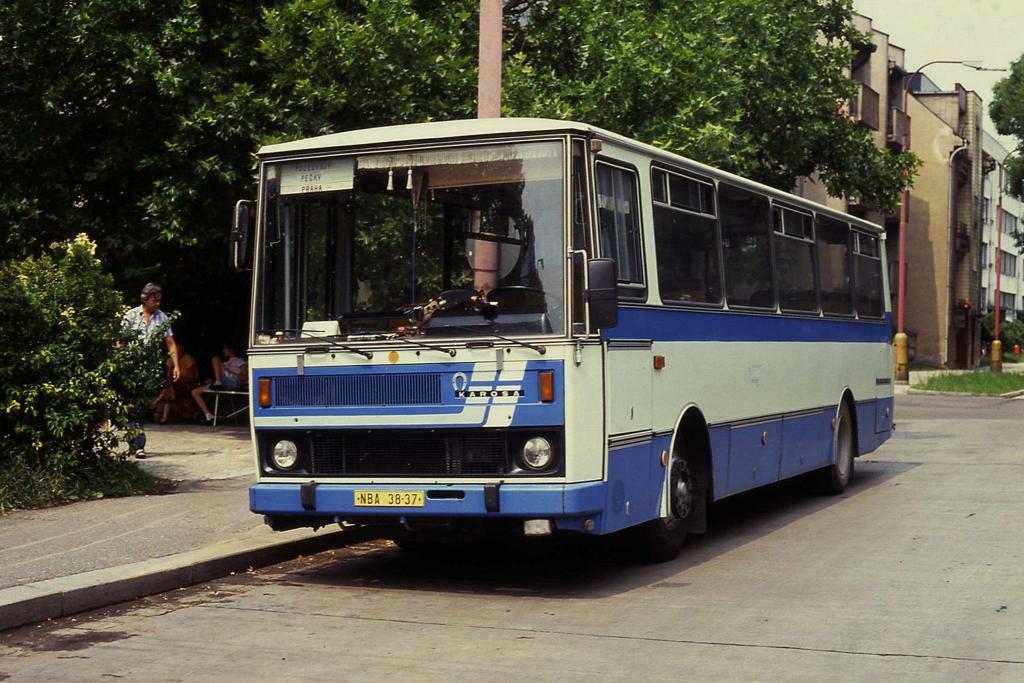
(496, 127)
(433, 130)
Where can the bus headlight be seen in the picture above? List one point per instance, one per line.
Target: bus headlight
(285, 455)
(537, 453)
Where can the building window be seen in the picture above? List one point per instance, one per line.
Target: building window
(1007, 263)
(794, 259)
(684, 239)
(1009, 223)
(1006, 301)
(747, 255)
(618, 215)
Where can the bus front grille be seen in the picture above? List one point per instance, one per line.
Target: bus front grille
(397, 454)
(408, 389)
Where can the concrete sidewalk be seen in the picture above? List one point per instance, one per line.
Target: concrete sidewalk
(58, 560)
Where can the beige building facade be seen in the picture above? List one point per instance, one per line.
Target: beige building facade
(944, 300)
(944, 229)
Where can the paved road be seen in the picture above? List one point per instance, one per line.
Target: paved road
(210, 470)
(914, 573)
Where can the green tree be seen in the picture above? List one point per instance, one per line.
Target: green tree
(746, 85)
(137, 120)
(1007, 112)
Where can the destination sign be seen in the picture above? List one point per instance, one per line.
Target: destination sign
(317, 175)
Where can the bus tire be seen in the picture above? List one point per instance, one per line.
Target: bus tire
(836, 476)
(662, 538)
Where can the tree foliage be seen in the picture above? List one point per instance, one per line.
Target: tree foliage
(1007, 112)
(137, 120)
(749, 86)
(1011, 332)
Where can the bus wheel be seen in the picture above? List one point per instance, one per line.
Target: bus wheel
(836, 476)
(662, 538)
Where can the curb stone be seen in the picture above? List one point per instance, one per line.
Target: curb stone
(67, 595)
(928, 392)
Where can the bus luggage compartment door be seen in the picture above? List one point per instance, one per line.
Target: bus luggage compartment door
(633, 481)
(755, 454)
(628, 401)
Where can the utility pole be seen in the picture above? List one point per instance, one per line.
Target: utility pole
(995, 358)
(485, 253)
(489, 81)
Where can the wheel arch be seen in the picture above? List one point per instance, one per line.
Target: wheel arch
(691, 436)
(847, 399)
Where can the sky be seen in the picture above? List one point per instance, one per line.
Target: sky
(989, 31)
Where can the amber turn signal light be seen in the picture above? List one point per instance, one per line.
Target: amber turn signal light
(546, 385)
(264, 386)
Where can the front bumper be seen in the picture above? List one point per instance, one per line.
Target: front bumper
(568, 506)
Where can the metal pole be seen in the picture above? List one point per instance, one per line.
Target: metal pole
(489, 80)
(486, 253)
(900, 340)
(995, 361)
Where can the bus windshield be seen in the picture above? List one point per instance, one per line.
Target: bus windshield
(455, 242)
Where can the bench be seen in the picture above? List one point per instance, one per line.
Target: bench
(232, 396)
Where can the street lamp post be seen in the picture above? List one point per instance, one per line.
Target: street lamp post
(900, 340)
(995, 359)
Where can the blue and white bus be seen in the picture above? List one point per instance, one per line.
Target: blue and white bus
(540, 326)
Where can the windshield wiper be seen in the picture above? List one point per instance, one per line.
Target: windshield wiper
(393, 336)
(331, 345)
(479, 332)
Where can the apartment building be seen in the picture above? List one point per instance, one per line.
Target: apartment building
(944, 229)
(999, 252)
(877, 106)
(943, 301)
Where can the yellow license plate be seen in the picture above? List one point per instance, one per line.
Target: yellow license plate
(389, 499)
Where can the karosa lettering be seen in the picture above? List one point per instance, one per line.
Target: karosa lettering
(488, 393)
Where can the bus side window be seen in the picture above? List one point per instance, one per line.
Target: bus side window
(833, 238)
(618, 216)
(748, 264)
(794, 260)
(867, 275)
(684, 239)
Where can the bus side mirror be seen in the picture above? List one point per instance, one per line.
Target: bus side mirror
(602, 293)
(241, 228)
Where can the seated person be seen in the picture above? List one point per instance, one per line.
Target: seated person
(175, 394)
(230, 373)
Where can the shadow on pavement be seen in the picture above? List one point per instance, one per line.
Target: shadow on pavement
(573, 567)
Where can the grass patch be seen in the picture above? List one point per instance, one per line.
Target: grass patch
(980, 382)
(23, 487)
(1013, 357)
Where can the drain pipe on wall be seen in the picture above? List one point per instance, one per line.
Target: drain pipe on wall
(950, 258)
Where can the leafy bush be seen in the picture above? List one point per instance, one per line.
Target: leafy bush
(1010, 332)
(69, 373)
